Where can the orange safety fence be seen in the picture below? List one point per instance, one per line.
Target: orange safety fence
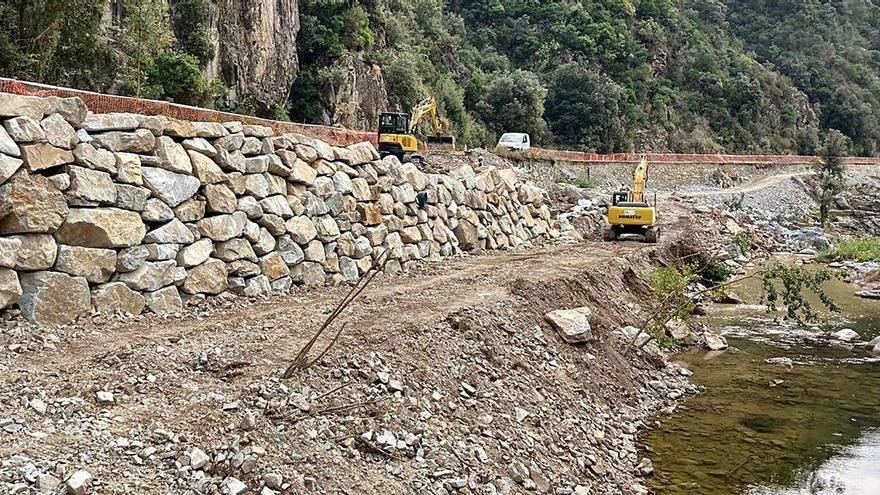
(102, 103)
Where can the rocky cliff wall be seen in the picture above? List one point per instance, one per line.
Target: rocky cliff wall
(123, 213)
(257, 49)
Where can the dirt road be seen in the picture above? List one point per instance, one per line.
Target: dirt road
(210, 380)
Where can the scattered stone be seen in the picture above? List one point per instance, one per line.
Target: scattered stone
(78, 483)
(573, 325)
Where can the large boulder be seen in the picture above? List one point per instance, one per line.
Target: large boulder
(8, 166)
(170, 187)
(90, 187)
(273, 266)
(173, 232)
(31, 203)
(94, 264)
(467, 235)
(151, 276)
(53, 298)
(9, 251)
(208, 278)
(37, 252)
(222, 227)
(116, 297)
(102, 122)
(58, 132)
(220, 199)
(42, 156)
(302, 229)
(196, 253)
(164, 301)
(235, 249)
(25, 130)
(88, 156)
(573, 325)
(139, 141)
(205, 169)
(7, 144)
(102, 228)
(12, 105)
(10, 289)
(172, 156)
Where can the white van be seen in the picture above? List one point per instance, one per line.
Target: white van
(515, 141)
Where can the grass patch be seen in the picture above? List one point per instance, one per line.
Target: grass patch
(861, 249)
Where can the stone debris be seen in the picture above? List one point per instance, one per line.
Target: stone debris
(573, 325)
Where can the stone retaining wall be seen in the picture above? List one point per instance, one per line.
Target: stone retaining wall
(122, 213)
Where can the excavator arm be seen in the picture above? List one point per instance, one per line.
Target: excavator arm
(426, 110)
(640, 180)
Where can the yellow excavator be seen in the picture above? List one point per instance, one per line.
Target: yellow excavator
(630, 212)
(397, 132)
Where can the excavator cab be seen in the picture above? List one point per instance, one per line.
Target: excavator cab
(630, 213)
(394, 135)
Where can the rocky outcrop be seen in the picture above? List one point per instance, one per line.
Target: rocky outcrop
(149, 212)
(257, 54)
(358, 101)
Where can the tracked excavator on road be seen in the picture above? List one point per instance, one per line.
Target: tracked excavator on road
(630, 212)
(398, 132)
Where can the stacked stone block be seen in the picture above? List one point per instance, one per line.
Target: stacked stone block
(122, 213)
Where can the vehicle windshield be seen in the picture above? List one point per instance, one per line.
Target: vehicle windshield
(512, 138)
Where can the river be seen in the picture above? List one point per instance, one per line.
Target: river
(766, 429)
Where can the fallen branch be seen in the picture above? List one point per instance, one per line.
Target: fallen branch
(301, 362)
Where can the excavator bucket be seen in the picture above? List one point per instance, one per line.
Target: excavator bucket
(440, 143)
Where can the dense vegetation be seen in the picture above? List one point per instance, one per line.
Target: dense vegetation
(158, 50)
(604, 75)
(611, 75)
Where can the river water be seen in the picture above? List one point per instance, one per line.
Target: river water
(764, 429)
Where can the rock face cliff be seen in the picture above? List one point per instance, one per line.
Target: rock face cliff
(357, 103)
(256, 55)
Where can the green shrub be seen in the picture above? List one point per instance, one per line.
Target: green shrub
(861, 249)
(177, 77)
(585, 182)
(190, 20)
(716, 272)
(742, 240)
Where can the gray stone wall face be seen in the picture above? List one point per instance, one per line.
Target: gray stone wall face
(124, 213)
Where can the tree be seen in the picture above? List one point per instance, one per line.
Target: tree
(514, 102)
(585, 109)
(191, 28)
(145, 35)
(830, 170)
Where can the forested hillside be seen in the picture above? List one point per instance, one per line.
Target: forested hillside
(613, 75)
(604, 75)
